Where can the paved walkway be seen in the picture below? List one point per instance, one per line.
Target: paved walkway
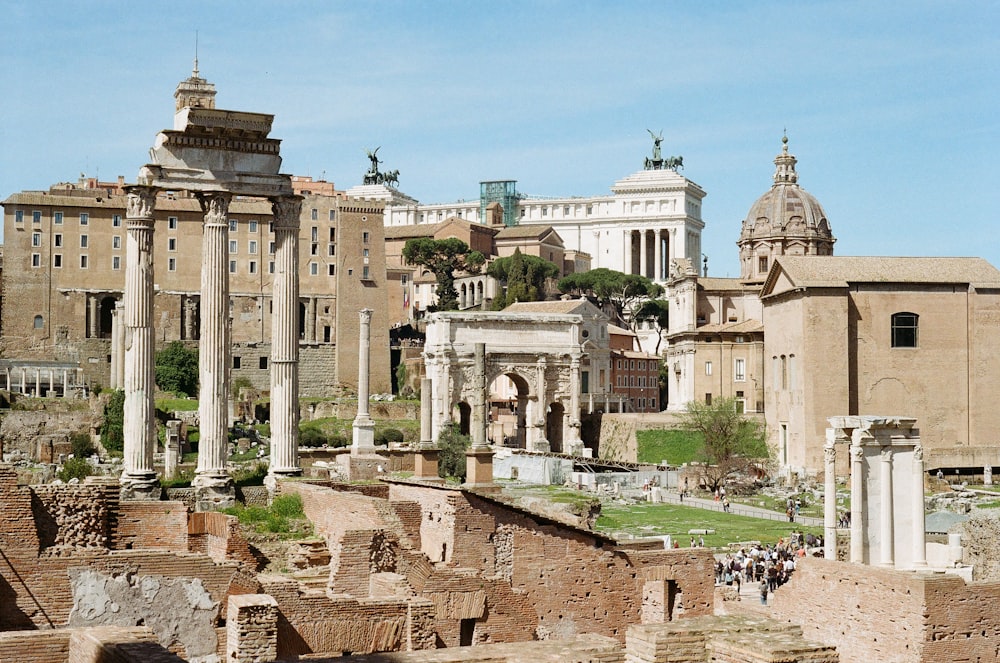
(671, 497)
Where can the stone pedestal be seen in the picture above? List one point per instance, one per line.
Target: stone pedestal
(425, 465)
(171, 449)
(214, 497)
(479, 467)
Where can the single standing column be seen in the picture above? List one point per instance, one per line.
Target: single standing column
(364, 427)
(115, 342)
(481, 400)
(214, 347)
(426, 413)
(658, 256)
(52, 382)
(885, 532)
(93, 304)
(919, 524)
(830, 496)
(138, 478)
(857, 500)
(38, 383)
(120, 310)
(310, 334)
(285, 339)
(574, 443)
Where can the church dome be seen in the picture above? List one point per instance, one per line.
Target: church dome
(786, 220)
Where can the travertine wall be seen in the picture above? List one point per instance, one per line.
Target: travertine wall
(870, 613)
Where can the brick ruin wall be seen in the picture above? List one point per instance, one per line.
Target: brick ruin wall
(873, 613)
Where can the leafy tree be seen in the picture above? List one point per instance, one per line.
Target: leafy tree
(451, 452)
(733, 443)
(113, 426)
(623, 292)
(82, 444)
(177, 369)
(444, 257)
(75, 468)
(524, 277)
(656, 311)
(389, 436)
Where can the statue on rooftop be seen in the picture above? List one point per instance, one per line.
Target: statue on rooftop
(657, 162)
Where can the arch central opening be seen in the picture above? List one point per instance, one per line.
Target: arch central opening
(508, 394)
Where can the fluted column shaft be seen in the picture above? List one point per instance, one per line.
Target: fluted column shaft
(285, 338)
(140, 343)
(857, 501)
(886, 530)
(364, 354)
(214, 348)
(115, 344)
(481, 399)
(94, 304)
(919, 525)
(830, 496)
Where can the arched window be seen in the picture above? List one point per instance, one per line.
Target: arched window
(904, 330)
(39, 322)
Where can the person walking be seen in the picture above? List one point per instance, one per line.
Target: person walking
(763, 593)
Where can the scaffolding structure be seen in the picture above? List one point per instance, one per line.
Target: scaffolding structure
(503, 192)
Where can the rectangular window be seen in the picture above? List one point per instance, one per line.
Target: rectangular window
(84, 218)
(116, 242)
(36, 239)
(252, 247)
(314, 249)
(171, 244)
(740, 370)
(270, 267)
(331, 249)
(585, 381)
(365, 273)
(171, 264)
(83, 261)
(36, 259)
(364, 253)
(84, 240)
(314, 214)
(762, 263)
(57, 218)
(36, 217)
(904, 330)
(252, 225)
(270, 248)
(232, 225)
(57, 240)
(237, 361)
(333, 215)
(365, 236)
(57, 260)
(333, 233)
(233, 248)
(403, 279)
(253, 266)
(116, 262)
(232, 266)
(116, 221)
(172, 222)
(262, 363)
(708, 399)
(313, 268)
(331, 270)
(315, 234)
(19, 216)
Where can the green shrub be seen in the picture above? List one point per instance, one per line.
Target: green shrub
(311, 437)
(82, 445)
(389, 436)
(288, 506)
(75, 468)
(337, 440)
(113, 426)
(177, 369)
(451, 452)
(250, 476)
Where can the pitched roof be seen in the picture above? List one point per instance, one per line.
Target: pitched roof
(839, 271)
(553, 306)
(526, 232)
(743, 327)
(411, 231)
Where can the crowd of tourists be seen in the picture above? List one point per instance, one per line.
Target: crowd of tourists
(771, 566)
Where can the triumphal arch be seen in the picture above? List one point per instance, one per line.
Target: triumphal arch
(215, 155)
(540, 353)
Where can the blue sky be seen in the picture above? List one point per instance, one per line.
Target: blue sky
(892, 108)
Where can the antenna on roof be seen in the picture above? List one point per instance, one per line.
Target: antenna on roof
(195, 73)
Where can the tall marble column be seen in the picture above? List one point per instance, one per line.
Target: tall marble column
(643, 252)
(285, 339)
(138, 477)
(426, 413)
(480, 400)
(574, 443)
(658, 256)
(364, 427)
(830, 496)
(919, 523)
(857, 500)
(94, 313)
(116, 343)
(886, 529)
(214, 348)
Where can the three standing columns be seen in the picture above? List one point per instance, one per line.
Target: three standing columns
(138, 478)
(284, 339)
(214, 344)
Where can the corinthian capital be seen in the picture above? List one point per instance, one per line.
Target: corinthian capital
(830, 453)
(140, 201)
(366, 315)
(215, 205)
(286, 211)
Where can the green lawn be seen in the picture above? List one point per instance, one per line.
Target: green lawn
(177, 404)
(674, 446)
(676, 520)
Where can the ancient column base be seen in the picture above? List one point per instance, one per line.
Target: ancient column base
(425, 465)
(213, 492)
(140, 488)
(541, 446)
(272, 478)
(364, 436)
(479, 468)
(575, 447)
